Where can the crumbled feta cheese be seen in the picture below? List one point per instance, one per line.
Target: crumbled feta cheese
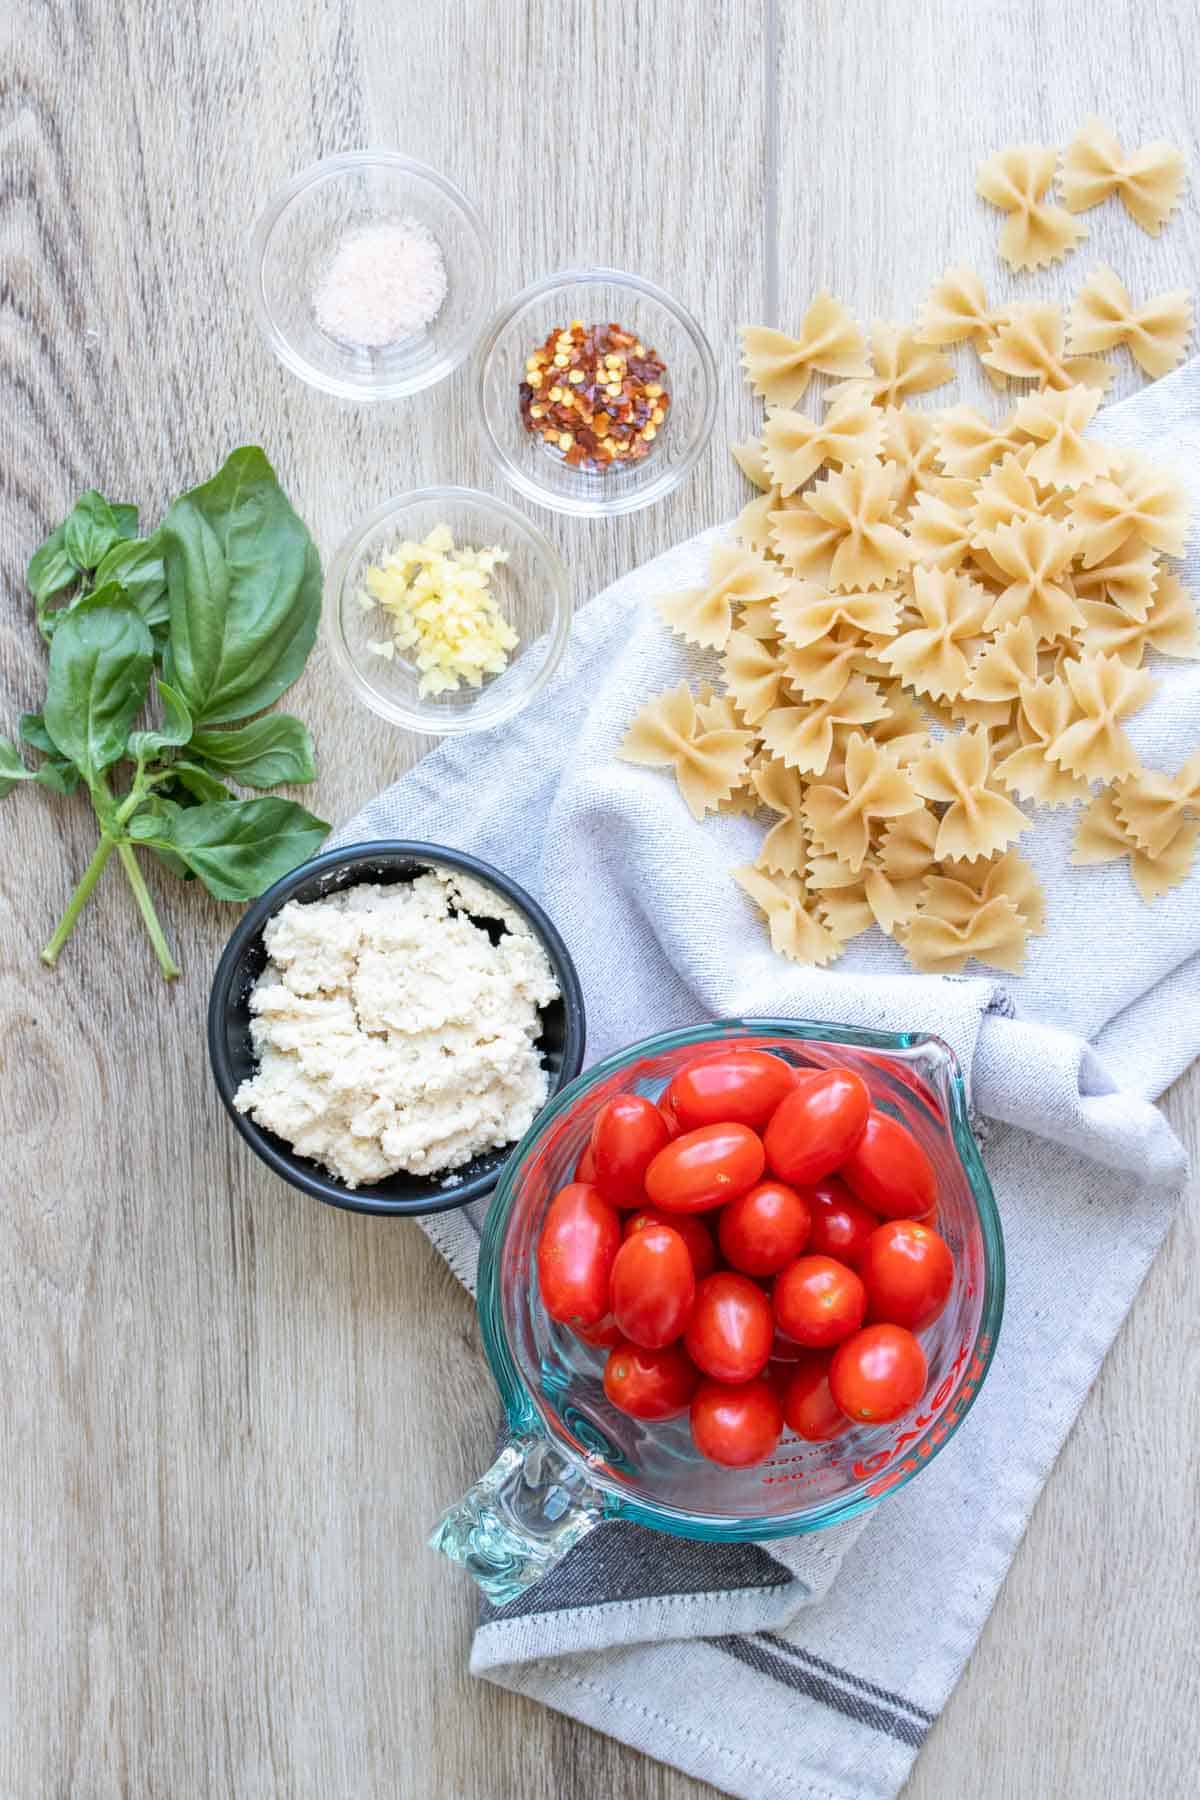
(392, 1033)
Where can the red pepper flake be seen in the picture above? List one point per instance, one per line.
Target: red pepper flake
(595, 395)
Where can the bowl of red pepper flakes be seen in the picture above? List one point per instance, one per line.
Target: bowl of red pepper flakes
(596, 391)
(595, 395)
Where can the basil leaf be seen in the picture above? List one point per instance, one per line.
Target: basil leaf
(50, 568)
(174, 863)
(244, 591)
(60, 776)
(90, 530)
(262, 754)
(137, 563)
(12, 769)
(33, 730)
(125, 518)
(157, 806)
(57, 774)
(236, 847)
(197, 781)
(100, 661)
(174, 731)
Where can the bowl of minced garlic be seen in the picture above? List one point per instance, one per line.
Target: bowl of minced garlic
(388, 1021)
(448, 611)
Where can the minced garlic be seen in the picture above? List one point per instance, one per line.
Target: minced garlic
(441, 609)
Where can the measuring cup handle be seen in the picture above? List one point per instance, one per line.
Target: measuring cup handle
(533, 1505)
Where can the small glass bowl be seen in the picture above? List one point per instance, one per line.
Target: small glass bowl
(596, 296)
(531, 589)
(296, 237)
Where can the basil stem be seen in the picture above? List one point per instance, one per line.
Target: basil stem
(141, 894)
(79, 899)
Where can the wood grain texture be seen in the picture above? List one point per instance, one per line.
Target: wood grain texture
(886, 119)
(231, 1414)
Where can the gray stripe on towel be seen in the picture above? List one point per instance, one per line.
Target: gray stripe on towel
(828, 1668)
(621, 1561)
(819, 1687)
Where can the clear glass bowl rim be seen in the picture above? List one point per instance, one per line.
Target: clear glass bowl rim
(558, 631)
(575, 506)
(399, 387)
(521, 1412)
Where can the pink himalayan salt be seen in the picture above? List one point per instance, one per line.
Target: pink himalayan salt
(384, 282)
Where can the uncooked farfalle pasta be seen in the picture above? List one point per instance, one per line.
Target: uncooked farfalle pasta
(1148, 181)
(737, 577)
(929, 621)
(1036, 231)
(1029, 345)
(1104, 315)
(901, 366)
(829, 341)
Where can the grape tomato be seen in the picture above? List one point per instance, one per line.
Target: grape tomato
(653, 1286)
(704, 1168)
(742, 1086)
(736, 1426)
(877, 1374)
(579, 1240)
(815, 1128)
(603, 1336)
(809, 1408)
(628, 1133)
(762, 1231)
(692, 1230)
(908, 1272)
(889, 1171)
(672, 1123)
(731, 1327)
(841, 1224)
(818, 1301)
(650, 1384)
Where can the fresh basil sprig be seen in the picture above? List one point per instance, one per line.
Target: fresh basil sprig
(212, 616)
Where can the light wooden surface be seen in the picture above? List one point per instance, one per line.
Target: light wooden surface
(230, 1414)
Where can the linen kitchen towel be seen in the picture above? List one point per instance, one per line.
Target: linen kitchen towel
(815, 1667)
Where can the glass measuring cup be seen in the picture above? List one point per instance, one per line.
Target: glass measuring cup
(573, 1460)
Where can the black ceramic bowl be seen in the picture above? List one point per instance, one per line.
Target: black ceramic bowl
(232, 1054)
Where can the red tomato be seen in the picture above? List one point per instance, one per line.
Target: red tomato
(762, 1231)
(585, 1168)
(889, 1171)
(649, 1384)
(778, 1374)
(809, 1408)
(786, 1349)
(736, 1426)
(878, 1374)
(693, 1231)
(741, 1085)
(628, 1133)
(673, 1126)
(653, 1286)
(604, 1336)
(579, 1240)
(705, 1168)
(818, 1301)
(730, 1331)
(817, 1126)
(908, 1272)
(841, 1224)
